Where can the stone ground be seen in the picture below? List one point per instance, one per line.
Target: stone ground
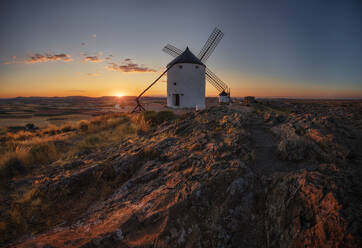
(224, 177)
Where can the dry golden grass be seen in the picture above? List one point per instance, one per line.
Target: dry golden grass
(24, 151)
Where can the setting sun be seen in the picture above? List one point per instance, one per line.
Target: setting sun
(119, 94)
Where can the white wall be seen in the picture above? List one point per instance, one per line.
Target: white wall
(223, 99)
(190, 85)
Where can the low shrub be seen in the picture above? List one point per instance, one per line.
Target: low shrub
(156, 118)
(105, 122)
(125, 129)
(12, 164)
(21, 135)
(43, 153)
(83, 126)
(88, 145)
(66, 128)
(20, 159)
(51, 130)
(10, 168)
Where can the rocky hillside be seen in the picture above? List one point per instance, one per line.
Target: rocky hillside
(235, 176)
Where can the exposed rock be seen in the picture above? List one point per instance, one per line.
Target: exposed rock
(198, 182)
(304, 209)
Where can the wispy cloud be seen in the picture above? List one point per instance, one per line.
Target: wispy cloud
(12, 61)
(93, 74)
(94, 59)
(89, 74)
(41, 58)
(109, 57)
(129, 67)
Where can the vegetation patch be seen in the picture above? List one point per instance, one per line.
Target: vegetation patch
(39, 204)
(157, 118)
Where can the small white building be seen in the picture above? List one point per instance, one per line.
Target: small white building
(186, 82)
(224, 98)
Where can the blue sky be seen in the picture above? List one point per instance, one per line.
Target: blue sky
(270, 48)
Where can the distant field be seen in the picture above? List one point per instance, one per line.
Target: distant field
(58, 110)
(45, 111)
(42, 121)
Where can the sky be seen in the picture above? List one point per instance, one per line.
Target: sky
(294, 48)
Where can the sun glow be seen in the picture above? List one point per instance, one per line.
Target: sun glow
(119, 94)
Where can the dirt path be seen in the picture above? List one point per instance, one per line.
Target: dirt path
(266, 160)
(265, 144)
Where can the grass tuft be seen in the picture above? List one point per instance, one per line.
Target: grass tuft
(157, 118)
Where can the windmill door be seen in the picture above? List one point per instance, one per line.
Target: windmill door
(176, 99)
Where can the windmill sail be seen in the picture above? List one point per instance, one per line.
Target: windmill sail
(204, 54)
(211, 77)
(172, 50)
(216, 81)
(210, 44)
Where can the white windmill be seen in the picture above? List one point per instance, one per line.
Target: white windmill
(186, 76)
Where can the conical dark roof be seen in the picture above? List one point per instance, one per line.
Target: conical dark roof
(223, 93)
(186, 57)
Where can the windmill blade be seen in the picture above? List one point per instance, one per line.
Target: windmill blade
(210, 45)
(216, 81)
(211, 77)
(213, 83)
(172, 50)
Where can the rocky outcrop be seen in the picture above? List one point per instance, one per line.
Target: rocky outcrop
(195, 182)
(308, 208)
(318, 138)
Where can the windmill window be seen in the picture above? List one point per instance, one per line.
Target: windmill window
(180, 66)
(174, 83)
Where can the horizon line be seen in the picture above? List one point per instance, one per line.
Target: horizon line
(260, 97)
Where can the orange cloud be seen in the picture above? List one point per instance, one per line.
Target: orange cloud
(109, 57)
(40, 58)
(129, 67)
(13, 61)
(94, 59)
(93, 74)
